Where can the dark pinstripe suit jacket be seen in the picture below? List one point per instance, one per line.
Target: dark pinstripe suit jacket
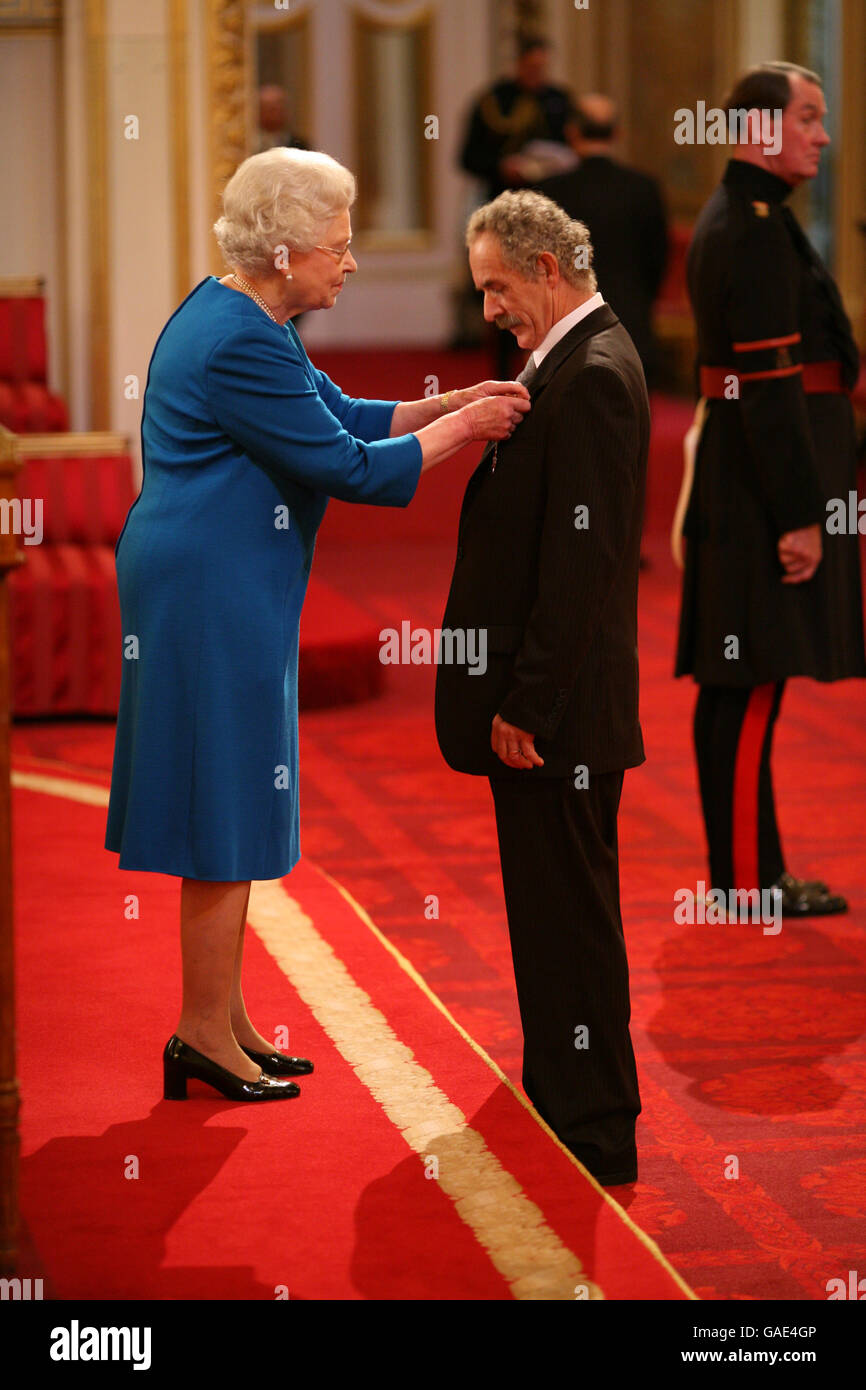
(547, 562)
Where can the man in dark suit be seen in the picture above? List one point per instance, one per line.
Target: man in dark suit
(547, 563)
(626, 217)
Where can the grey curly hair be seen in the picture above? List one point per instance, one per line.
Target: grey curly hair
(527, 224)
(280, 197)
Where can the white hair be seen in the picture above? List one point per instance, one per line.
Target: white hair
(281, 197)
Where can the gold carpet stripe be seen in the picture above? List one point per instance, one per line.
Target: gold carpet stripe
(510, 1228)
(405, 964)
(60, 786)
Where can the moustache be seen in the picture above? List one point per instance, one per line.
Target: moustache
(507, 321)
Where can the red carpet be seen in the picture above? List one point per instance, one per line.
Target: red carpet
(127, 1196)
(749, 1047)
(338, 657)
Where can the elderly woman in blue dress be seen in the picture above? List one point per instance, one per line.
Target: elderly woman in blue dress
(243, 442)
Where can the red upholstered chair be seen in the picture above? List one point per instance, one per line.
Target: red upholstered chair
(26, 404)
(64, 613)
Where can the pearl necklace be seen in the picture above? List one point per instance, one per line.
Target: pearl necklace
(254, 294)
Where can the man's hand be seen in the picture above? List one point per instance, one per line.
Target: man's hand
(800, 554)
(515, 747)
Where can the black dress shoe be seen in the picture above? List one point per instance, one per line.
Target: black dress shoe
(180, 1062)
(278, 1064)
(628, 1175)
(800, 883)
(802, 899)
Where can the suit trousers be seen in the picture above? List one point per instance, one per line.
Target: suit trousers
(560, 872)
(733, 731)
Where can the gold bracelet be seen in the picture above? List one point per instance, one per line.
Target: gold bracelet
(443, 402)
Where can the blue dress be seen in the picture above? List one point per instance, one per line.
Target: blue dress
(243, 442)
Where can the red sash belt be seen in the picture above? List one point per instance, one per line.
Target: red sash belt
(818, 378)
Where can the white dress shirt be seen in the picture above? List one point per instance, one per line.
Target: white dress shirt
(565, 325)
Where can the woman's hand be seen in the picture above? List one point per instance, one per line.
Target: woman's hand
(458, 399)
(410, 417)
(496, 411)
(496, 416)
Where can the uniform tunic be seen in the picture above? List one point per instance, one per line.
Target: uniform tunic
(505, 119)
(243, 442)
(770, 460)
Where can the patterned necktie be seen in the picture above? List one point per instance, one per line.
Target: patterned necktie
(528, 373)
(526, 379)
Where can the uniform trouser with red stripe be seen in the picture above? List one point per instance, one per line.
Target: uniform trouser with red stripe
(733, 731)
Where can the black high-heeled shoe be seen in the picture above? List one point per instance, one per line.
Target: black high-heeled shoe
(278, 1064)
(180, 1062)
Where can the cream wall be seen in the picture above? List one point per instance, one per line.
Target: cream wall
(401, 297)
(76, 220)
(30, 173)
(762, 31)
(141, 241)
(133, 216)
(121, 227)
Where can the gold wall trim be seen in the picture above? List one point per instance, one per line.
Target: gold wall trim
(419, 20)
(97, 192)
(302, 101)
(46, 14)
(850, 196)
(72, 445)
(21, 286)
(61, 285)
(24, 31)
(642, 39)
(226, 95)
(178, 100)
(8, 445)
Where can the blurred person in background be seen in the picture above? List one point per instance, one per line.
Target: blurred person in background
(510, 116)
(626, 217)
(517, 134)
(276, 126)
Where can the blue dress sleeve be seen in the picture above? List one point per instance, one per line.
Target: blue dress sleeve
(367, 420)
(260, 394)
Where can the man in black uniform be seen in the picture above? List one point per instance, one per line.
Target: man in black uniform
(512, 113)
(769, 591)
(506, 118)
(626, 217)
